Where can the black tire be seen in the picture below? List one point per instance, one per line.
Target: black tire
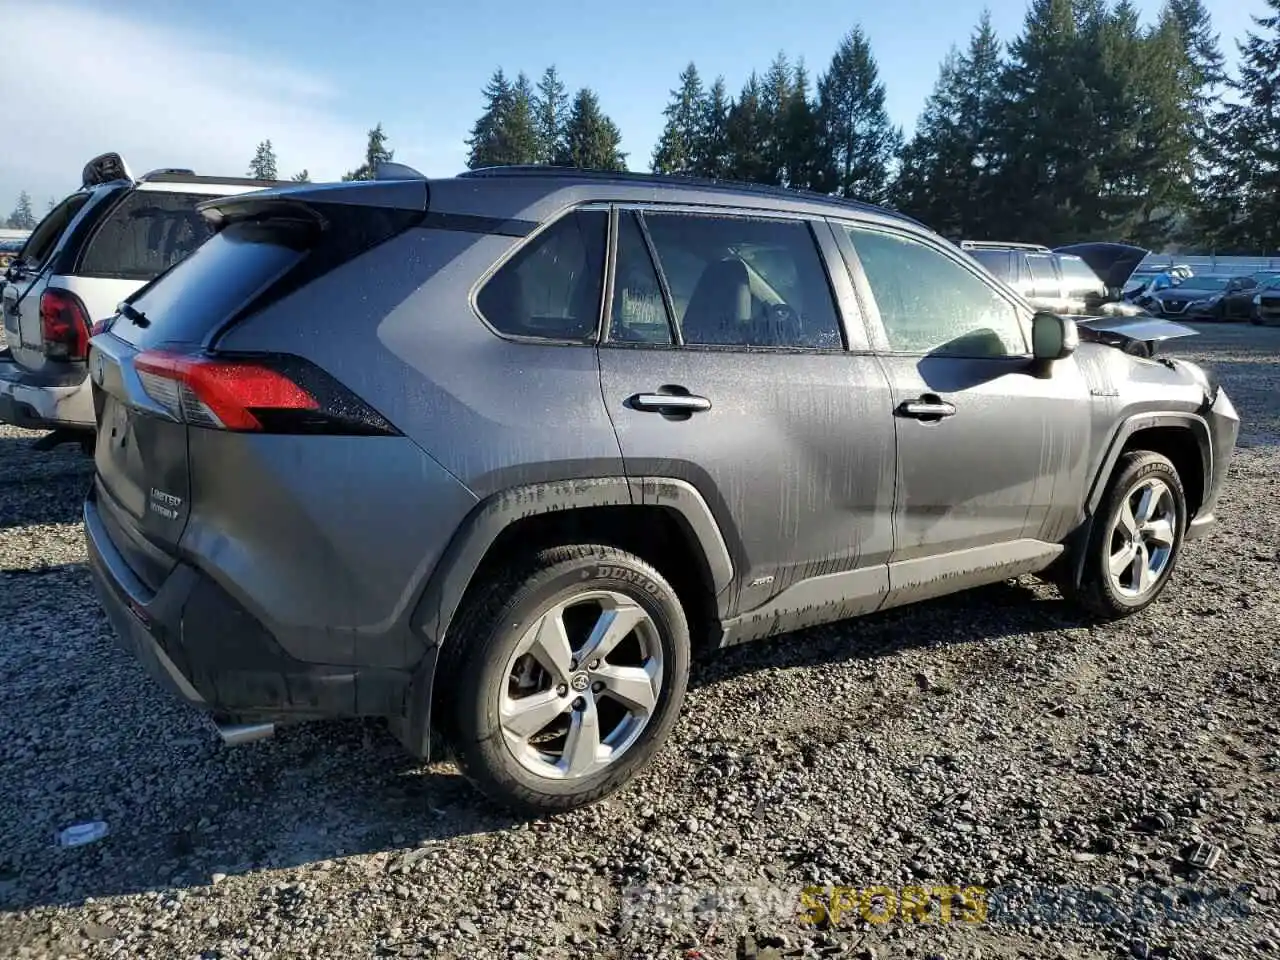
(1096, 592)
(488, 630)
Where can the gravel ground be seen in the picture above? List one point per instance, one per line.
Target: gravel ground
(994, 740)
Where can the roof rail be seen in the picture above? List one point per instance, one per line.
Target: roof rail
(1002, 245)
(674, 179)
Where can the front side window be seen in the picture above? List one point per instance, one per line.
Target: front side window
(147, 233)
(551, 287)
(930, 304)
(745, 281)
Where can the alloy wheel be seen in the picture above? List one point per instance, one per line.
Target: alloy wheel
(1142, 536)
(581, 685)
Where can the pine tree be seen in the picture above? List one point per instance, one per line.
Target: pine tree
(1248, 179)
(376, 152)
(488, 143)
(800, 134)
(859, 143)
(776, 92)
(1043, 166)
(677, 148)
(711, 155)
(945, 171)
(22, 218)
(745, 134)
(302, 176)
(592, 140)
(507, 132)
(551, 112)
(263, 164)
(520, 125)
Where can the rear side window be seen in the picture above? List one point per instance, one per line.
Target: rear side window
(551, 287)
(203, 291)
(998, 262)
(44, 238)
(147, 232)
(745, 281)
(1041, 270)
(1078, 274)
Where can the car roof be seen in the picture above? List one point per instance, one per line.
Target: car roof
(538, 193)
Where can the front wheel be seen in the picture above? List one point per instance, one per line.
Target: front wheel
(572, 676)
(1133, 548)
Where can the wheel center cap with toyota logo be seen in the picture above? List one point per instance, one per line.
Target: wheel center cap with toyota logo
(579, 682)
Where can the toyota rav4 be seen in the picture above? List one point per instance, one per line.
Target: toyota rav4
(492, 454)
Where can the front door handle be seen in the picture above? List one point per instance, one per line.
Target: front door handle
(929, 408)
(669, 403)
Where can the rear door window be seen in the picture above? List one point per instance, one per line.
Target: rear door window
(745, 281)
(551, 287)
(147, 232)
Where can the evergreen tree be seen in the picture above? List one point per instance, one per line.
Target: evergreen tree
(859, 143)
(592, 140)
(52, 203)
(520, 125)
(677, 148)
(263, 164)
(376, 152)
(22, 218)
(488, 142)
(800, 134)
(1043, 166)
(507, 132)
(712, 152)
(1247, 181)
(945, 172)
(776, 92)
(551, 111)
(745, 132)
(302, 176)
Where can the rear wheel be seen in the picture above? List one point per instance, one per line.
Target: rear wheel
(1137, 537)
(572, 675)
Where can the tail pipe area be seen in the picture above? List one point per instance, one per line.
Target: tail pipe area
(235, 734)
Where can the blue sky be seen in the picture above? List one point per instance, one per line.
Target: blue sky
(199, 84)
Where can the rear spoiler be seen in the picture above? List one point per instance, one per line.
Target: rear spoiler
(306, 203)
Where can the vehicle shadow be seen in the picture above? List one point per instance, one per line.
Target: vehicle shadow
(41, 486)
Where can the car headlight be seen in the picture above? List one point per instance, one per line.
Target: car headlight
(1257, 301)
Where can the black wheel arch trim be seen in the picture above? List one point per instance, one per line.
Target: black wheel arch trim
(1146, 421)
(448, 583)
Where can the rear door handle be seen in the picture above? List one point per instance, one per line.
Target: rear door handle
(669, 403)
(926, 408)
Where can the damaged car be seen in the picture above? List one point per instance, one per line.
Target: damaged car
(494, 455)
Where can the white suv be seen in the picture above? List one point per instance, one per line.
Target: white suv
(94, 249)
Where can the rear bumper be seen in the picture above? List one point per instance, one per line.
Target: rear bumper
(25, 402)
(195, 640)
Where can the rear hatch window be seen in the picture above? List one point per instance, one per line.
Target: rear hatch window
(148, 232)
(201, 293)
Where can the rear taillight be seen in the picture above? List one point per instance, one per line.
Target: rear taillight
(64, 325)
(272, 394)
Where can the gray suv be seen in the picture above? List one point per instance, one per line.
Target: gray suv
(493, 455)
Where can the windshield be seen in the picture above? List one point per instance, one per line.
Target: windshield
(1271, 283)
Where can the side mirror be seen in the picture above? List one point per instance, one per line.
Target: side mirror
(1053, 337)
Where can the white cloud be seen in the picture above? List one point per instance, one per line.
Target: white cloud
(81, 82)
